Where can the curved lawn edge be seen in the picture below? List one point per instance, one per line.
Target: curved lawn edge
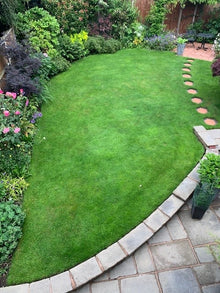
(95, 266)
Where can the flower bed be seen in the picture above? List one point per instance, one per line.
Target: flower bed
(17, 120)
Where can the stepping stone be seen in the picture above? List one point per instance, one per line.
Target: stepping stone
(210, 121)
(187, 75)
(192, 91)
(196, 100)
(186, 69)
(188, 83)
(202, 110)
(187, 64)
(190, 60)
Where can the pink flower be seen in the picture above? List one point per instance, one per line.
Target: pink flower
(17, 129)
(13, 95)
(27, 103)
(6, 113)
(6, 130)
(1, 92)
(21, 92)
(17, 112)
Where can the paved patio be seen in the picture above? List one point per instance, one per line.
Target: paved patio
(181, 257)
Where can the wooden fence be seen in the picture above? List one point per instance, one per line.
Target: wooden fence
(188, 14)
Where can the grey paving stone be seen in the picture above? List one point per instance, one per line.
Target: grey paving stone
(171, 205)
(24, 288)
(207, 139)
(156, 220)
(211, 288)
(161, 236)
(204, 254)
(135, 238)
(126, 268)
(181, 281)
(61, 283)
(143, 260)
(103, 277)
(199, 129)
(201, 231)
(176, 228)
(140, 284)
(105, 287)
(111, 256)
(217, 210)
(214, 133)
(86, 271)
(208, 274)
(42, 286)
(84, 289)
(173, 255)
(185, 188)
(194, 173)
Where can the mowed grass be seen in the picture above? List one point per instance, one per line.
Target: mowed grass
(119, 139)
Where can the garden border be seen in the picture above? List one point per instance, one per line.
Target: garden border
(81, 274)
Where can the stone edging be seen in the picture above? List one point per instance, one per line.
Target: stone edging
(115, 253)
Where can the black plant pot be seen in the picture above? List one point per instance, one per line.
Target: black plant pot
(197, 212)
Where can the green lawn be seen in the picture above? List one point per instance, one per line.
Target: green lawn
(119, 139)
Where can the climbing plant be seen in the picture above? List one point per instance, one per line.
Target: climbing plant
(157, 15)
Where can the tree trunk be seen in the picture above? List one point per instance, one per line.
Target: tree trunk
(179, 20)
(194, 14)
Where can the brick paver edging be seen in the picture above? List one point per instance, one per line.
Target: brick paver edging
(106, 259)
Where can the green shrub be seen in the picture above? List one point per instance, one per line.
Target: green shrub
(111, 46)
(40, 28)
(72, 15)
(209, 170)
(94, 45)
(98, 45)
(11, 221)
(2, 190)
(15, 159)
(59, 64)
(71, 50)
(13, 188)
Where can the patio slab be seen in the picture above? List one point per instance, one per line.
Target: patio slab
(173, 255)
(209, 223)
(180, 281)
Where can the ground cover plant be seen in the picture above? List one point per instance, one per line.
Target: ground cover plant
(114, 143)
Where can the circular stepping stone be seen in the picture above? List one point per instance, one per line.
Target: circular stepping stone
(187, 64)
(187, 75)
(196, 100)
(190, 60)
(192, 91)
(210, 121)
(188, 83)
(186, 69)
(202, 110)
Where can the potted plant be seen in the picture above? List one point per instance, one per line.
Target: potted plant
(181, 43)
(205, 192)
